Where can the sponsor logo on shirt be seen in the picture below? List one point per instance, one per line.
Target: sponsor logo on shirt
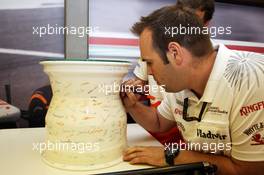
(254, 128)
(257, 139)
(210, 135)
(178, 111)
(255, 132)
(180, 125)
(210, 109)
(216, 110)
(179, 102)
(245, 110)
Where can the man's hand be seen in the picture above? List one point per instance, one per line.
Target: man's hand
(128, 97)
(145, 155)
(140, 82)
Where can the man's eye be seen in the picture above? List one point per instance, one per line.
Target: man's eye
(149, 63)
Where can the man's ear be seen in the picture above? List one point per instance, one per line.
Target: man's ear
(174, 53)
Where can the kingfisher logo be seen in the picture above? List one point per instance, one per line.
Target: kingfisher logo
(245, 110)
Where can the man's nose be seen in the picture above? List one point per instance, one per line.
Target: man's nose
(149, 70)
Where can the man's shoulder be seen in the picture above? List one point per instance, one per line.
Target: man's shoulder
(245, 70)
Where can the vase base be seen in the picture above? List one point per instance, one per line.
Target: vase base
(82, 167)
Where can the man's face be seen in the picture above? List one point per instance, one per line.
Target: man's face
(164, 74)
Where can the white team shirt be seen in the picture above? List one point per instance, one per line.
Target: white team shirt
(233, 121)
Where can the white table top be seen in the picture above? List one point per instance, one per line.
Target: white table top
(17, 156)
(8, 112)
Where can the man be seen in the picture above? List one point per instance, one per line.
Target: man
(204, 9)
(217, 97)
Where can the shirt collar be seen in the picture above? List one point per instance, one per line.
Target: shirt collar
(217, 73)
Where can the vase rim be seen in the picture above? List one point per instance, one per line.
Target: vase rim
(84, 61)
(65, 61)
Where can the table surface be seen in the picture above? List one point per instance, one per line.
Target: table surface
(18, 156)
(8, 112)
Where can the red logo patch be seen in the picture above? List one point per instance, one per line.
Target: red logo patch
(258, 139)
(178, 111)
(245, 110)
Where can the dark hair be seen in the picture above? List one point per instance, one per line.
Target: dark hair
(172, 16)
(207, 6)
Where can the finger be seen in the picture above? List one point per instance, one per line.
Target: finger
(138, 82)
(139, 160)
(132, 97)
(138, 96)
(129, 101)
(129, 157)
(122, 94)
(134, 149)
(131, 85)
(125, 85)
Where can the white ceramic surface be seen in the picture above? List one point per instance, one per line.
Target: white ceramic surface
(85, 124)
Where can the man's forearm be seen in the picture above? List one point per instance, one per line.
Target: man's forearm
(146, 116)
